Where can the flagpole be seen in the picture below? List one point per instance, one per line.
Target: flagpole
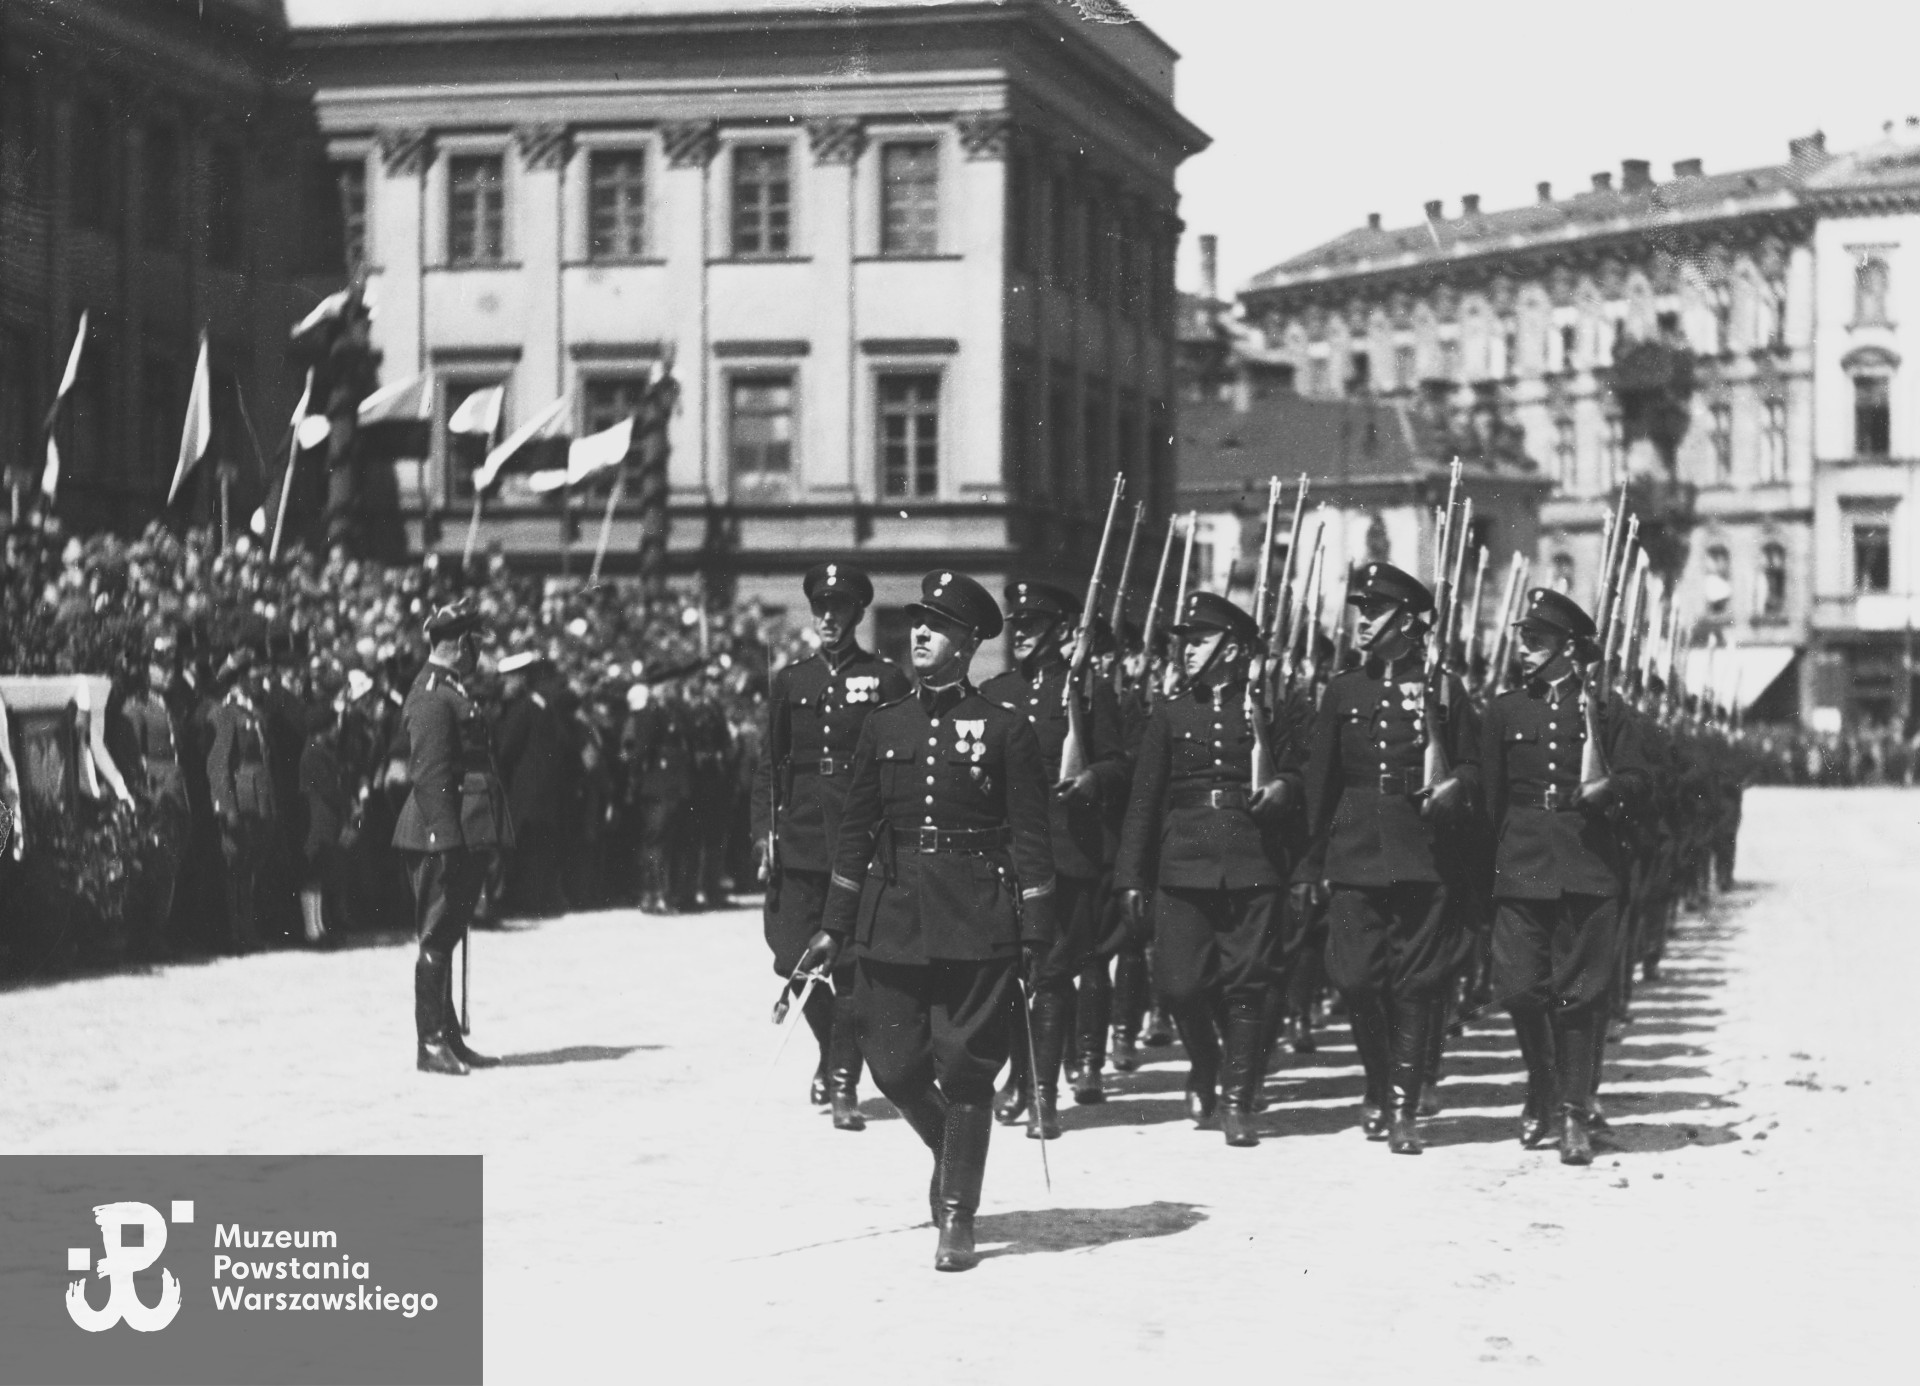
(473, 521)
(286, 480)
(606, 523)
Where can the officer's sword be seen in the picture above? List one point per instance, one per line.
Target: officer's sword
(1033, 1073)
(466, 984)
(785, 1003)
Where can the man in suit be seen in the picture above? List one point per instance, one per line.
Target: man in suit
(455, 817)
(1558, 871)
(814, 717)
(539, 760)
(1040, 621)
(943, 886)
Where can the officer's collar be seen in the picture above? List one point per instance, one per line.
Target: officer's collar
(838, 662)
(1553, 687)
(938, 700)
(1217, 695)
(1046, 662)
(447, 672)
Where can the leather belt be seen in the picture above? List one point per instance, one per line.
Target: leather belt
(1553, 799)
(826, 766)
(925, 839)
(1390, 782)
(1225, 797)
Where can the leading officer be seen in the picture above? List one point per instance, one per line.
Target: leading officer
(455, 816)
(943, 882)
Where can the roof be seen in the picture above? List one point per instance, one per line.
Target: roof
(1889, 166)
(1596, 212)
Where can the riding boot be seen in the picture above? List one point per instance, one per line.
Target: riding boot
(434, 1054)
(843, 1068)
(926, 1115)
(963, 1168)
(819, 1017)
(1412, 1017)
(1576, 1034)
(1095, 1009)
(313, 916)
(456, 1037)
(1052, 1018)
(1202, 1041)
(1129, 986)
(1010, 1103)
(1367, 1014)
(1273, 1019)
(1435, 1051)
(1241, 1074)
(1535, 1034)
(1159, 1030)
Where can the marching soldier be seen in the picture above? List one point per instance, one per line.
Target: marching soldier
(1558, 872)
(942, 885)
(814, 719)
(455, 817)
(538, 757)
(241, 789)
(1195, 832)
(1377, 854)
(1040, 621)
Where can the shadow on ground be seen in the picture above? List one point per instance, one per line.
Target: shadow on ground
(1080, 1229)
(575, 1054)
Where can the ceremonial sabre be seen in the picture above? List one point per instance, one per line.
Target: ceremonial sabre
(785, 1003)
(1033, 1062)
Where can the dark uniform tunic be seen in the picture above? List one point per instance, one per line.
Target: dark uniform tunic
(241, 789)
(540, 762)
(160, 780)
(456, 814)
(660, 788)
(942, 870)
(814, 720)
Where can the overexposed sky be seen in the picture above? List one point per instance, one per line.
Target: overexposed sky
(1321, 113)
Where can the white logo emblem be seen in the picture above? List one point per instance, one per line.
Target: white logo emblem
(118, 1265)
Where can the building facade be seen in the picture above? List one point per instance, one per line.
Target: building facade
(153, 168)
(1531, 315)
(912, 265)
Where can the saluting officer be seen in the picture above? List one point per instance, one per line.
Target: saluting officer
(814, 717)
(943, 883)
(455, 818)
(1194, 832)
(1040, 620)
(1558, 872)
(1376, 841)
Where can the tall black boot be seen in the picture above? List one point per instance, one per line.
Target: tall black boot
(1435, 1051)
(1367, 1014)
(926, 1115)
(1011, 1101)
(1197, 1033)
(1412, 1018)
(1273, 1019)
(1052, 1019)
(843, 1066)
(1535, 1035)
(434, 1054)
(963, 1168)
(1090, 1043)
(1241, 1071)
(1129, 1005)
(456, 1037)
(819, 1017)
(1576, 1034)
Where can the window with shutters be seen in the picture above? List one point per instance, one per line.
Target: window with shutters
(617, 204)
(476, 210)
(1773, 444)
(604, 401)
(1566, 454)
(1773, 580)
(909, 425)
(910, 198)
(1722, 443)
(762, 201)
(1872, 415)
(1872, 556)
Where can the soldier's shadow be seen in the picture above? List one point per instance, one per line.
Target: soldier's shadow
(574, 1054)
(1080, 1229)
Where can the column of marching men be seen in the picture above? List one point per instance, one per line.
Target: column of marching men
(975, 884)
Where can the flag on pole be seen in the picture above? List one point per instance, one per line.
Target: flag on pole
(50, 477)
(303, 437)
(587, 456)
(548, 424)
(479, 412)
(197, 431)
(395, 420)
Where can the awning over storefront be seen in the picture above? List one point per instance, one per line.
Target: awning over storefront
(1743, 672)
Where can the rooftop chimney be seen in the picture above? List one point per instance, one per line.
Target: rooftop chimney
(1373, 221)
(1470, 205)
(1686, 168)
(1210, 268)
(1603, 182)
(1812, 146)
(1636, 175)
(1433, 210)
(1545, 190)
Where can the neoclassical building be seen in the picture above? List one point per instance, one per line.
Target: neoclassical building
(912, 263)
(1524, 315)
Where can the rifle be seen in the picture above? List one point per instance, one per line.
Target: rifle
(1316, 603)
(1280, 636)
(1599, 681)
(1262, 773)
(1172, 673)
(1340, 626)
(1502, 639)
(1151, 626)
(1470, 643)
(1300, 631)
(1457, 568)
(1073, 754)
(1119, 616)
(1437, 699)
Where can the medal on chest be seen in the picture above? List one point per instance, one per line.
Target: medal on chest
(863, 688)
(970, 747)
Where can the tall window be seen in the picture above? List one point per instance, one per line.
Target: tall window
(1569, 346)
(1717, 587)
(760, 428)
(1509, 348)
(1616, 450)
(1722, 320)
(94, 170)
(910, 199)
(350, 188)
(1775, 307)
(476, 210)
(1870, 292)
(464, 452)
(1773, 444)
(1773, 580)
(617, 204)
(762, 200)
(226, 206)
(1872, 556)
(1872, 416)
(160, 188)
(909, 435)
(1566, 453)
(1406, 366)
(1722, 440)
(606, 400)
(1359, 373)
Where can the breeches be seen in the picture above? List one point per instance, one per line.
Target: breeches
(446, 890)
(1395, 940)
(1214, 942)
(947, 1023)
(1555, 953)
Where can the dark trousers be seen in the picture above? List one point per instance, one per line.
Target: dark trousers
(446, 891)
(945, 1026)
(1391, 952)
(795, 902)
(1214, 944)
(533, 885)
(244, 843)
(1555, 954)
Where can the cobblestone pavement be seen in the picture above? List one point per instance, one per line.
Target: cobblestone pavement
(662, 1206)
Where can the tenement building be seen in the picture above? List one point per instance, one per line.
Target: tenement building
(912, 264)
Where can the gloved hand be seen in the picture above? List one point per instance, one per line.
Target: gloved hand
(1032, 954)
(1596, 793)
(1273, 799)
(1443, 798)
(820, 953)
(1082, 787)
(1133, 909)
